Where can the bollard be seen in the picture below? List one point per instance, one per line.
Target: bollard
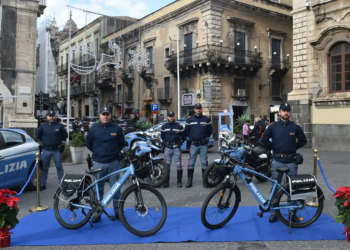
(314, 203)
(38, 208)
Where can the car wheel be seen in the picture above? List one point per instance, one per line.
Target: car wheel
(32, 182)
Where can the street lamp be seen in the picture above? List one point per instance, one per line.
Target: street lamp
(288, 57)
(221, 42)
(172, 51)
(197, 43)
(185, 46)
(255, 48)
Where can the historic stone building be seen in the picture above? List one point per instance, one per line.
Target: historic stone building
(242, 48)
(321, 61)
(18, 60)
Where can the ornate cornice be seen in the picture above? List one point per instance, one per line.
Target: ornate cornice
(187, 22)
(275, 32)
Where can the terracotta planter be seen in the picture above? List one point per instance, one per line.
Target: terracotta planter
(5, 241)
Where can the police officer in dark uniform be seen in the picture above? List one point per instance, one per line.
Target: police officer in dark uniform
(173, 135)
(284, 134)
(198, 129)
(105, 140)
(51, 134)
(76, 126)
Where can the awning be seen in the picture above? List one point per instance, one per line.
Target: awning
(240, 103)
(74, 79)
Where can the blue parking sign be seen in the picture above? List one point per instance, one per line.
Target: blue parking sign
(154, 107)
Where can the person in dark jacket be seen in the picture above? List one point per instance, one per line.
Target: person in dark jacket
(198, 128)
(173, 135)
(263, 123)
(76, 125)
(286, 137)
(50, 135)
(105, 140)
(255, 131)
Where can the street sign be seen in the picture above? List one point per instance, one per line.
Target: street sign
(155, 107)
(207, 94)
(207, 102)
(225, 111)
(74, 104)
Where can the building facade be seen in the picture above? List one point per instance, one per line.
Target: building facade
(243, 49)
(19, 60)
(321, 87)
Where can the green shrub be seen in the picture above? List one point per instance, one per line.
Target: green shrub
(237, 130)
(241, 120)
(66, 153)
(78, 140)
(143, 124)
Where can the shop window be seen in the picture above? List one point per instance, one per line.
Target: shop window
(339, 75)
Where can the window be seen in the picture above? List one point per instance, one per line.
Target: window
(240, 45)
(150, 56)
(340, 68)
(119, 93)
(167, 87)
(12, 139)
(167, 52)
(276, 87)
(239, 88)
(276, 53)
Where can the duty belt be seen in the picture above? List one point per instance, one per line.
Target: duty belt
(51, 148)
(173, 144)
(284, 155)
(199, 142)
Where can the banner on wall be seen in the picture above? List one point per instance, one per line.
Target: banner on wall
(187, 99)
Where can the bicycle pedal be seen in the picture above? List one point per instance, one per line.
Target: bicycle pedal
(260, 214)
(112, 218)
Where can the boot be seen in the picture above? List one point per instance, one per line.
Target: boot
(190, 177)
(203, 170)
(166, 184)
(179, 178)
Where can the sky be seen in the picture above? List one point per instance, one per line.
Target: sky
(132, 8)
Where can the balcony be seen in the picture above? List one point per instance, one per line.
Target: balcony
(279, 67)
(63, 93)
(80, 63)
(148, 94)
(129, 97)
(42, 7)
(216, 59)
(117, 101)
(164, 95)
(62, 69)
(240, 93)
(147, 73)
(105, 79)
(81, 90)
(127, 76)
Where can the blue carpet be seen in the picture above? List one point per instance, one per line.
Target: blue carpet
(183, 224)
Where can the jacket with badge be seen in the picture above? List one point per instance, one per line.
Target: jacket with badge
(105, 142)
(51, 135)
(198, 128)
(173, 133)
(284, 140)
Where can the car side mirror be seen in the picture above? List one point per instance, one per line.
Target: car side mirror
(151, 130)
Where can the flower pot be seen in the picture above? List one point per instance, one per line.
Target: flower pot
(5, 241)
(77, 154)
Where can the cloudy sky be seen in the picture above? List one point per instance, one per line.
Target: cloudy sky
(132, 8)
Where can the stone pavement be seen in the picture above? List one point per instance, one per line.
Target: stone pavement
(335, 165)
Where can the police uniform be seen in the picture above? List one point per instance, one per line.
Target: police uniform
(75, 125)
(198, 129)
(173, 135)
(51, 135)
(284, 135)
(105, 140)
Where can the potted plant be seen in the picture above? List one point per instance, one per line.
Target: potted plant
(8, 216)
(77, 147)
(342, 202)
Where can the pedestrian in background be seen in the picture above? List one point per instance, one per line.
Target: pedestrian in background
(75, 125)
(198, 128)
(105, 140)
(284, 135)
(173, 135)
(256, 130)
(263, 123)
(246, 130)
(50, 136)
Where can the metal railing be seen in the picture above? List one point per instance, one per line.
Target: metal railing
(129, 97)
(164, 93)
(77, 90)
(215, 54)
(279, 64)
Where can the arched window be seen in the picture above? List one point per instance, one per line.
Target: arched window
(340, 68)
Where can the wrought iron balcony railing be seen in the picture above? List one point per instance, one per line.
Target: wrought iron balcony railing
(127, 76)
(164, 94)
(279, 66)
(79, 90)
(215, 55)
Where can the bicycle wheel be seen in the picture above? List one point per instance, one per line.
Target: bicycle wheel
(217, 209)
(307, 214)
(210, 178)
(142, 220)
(160, 175)
(70, 216)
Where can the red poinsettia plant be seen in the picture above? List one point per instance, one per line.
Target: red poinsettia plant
(8, 211)
(342, 202)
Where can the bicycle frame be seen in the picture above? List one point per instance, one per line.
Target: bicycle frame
(265, 204)
(113, 190)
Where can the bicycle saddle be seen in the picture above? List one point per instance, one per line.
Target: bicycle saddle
(282, 169)
(94, 171)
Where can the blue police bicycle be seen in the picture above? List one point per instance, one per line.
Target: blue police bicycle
(142, 208)
(297, 204)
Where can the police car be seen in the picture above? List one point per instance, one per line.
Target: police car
(17, 158)
(132, 138)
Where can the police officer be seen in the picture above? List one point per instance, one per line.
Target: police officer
(173, 135)
(198, 129)
(50, 135)
(105, 140)
(284, 134)
(76, 126)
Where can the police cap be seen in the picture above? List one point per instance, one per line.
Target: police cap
(171, 114)
(51, 113)
(198, 106)
(105, 110)
(284, 106)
